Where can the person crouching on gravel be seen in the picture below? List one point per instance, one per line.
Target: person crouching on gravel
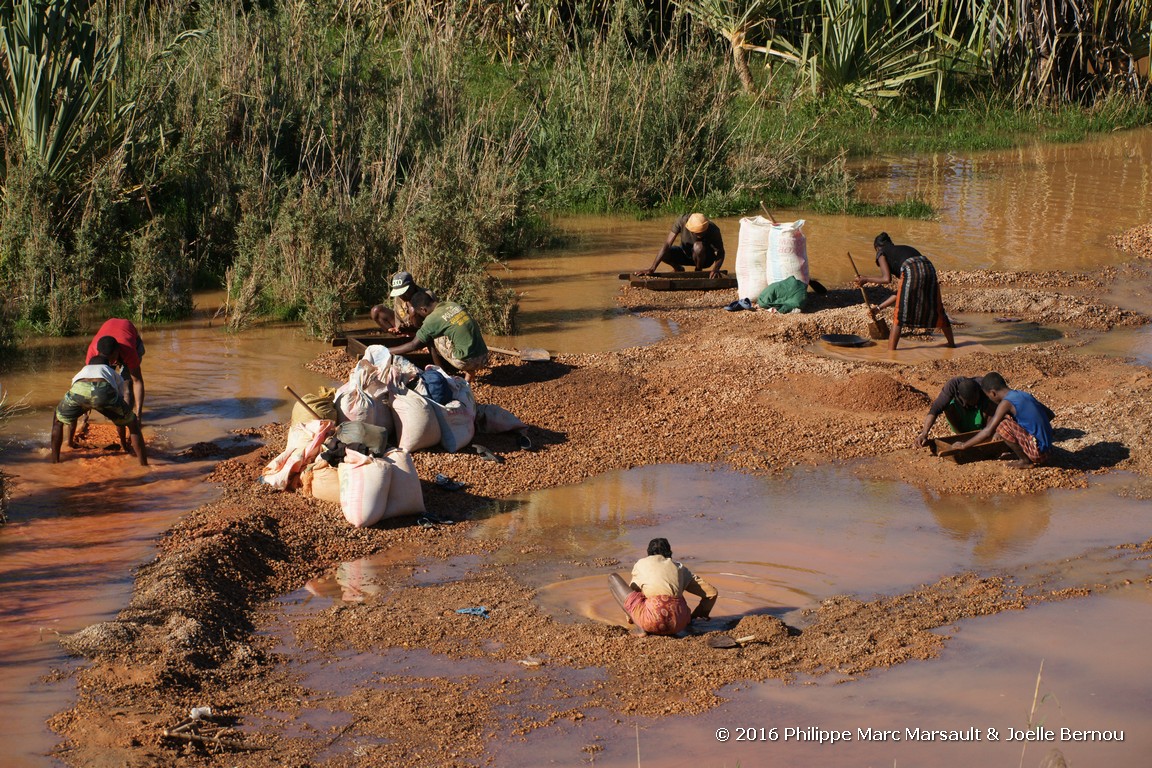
(450, 334)
(1022, 421)
(654, 601)
(98, 387)
(701, 246)
(964, 405)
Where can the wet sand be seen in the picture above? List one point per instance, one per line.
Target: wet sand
(400, 678)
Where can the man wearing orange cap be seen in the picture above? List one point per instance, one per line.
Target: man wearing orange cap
(701, 246)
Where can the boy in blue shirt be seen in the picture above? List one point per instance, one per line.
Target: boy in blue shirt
(1022, 421)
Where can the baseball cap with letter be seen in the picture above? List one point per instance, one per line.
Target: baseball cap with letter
(401, 282)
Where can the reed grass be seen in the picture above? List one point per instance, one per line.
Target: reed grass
(299, 151)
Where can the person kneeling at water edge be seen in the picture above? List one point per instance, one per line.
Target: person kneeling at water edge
(965, 407)
(1020, 420)
(98, 387)
(701, 246)
(654, 600)
(450, 334)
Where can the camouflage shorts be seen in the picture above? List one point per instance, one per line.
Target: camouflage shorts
(474, 363)
(99, 396)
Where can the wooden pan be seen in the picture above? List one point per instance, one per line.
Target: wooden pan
(944, 448)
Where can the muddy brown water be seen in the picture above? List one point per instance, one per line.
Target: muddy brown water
(77, 530)
(778, 546)
(1037, 208)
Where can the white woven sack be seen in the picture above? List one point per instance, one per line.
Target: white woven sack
(405, 496)
(364, 482)
(355, 399)
(457, 424)
(751, 256)
(324, 483)
(787, 253)
(492, 419)
(416, 424)
(457, 418)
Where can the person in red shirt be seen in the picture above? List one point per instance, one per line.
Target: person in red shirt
(131, 351)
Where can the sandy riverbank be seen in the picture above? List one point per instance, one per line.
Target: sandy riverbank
(743, 389)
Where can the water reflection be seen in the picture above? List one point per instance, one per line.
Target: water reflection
(994, 526)
(774, 544)
(1044, 206)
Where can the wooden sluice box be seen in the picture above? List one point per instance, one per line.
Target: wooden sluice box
(358, 341)
(680, 281)
(943, 447)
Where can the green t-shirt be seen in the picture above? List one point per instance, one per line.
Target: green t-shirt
(452, 320)
(784, 296)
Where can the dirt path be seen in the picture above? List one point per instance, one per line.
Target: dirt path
(739, 388)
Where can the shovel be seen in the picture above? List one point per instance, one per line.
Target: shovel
(527, 355)
(727, 641)
(877, 328)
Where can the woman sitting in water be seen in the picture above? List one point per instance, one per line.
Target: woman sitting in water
(655, 598)
(917, 298)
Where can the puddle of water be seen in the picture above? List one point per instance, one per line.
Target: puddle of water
(78, 529)
(367, 579)
(1095, 670)
(1135, 343)
(786, 543)
(778, 545)
(774, 545)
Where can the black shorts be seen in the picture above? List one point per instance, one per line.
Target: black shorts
(682, 257)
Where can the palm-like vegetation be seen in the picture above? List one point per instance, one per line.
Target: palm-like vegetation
(309, 147)
(1055, 51)
(57, 76)
(735, 21)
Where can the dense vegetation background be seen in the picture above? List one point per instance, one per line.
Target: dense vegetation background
(299, 151)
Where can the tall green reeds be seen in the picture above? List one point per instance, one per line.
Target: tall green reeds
(299, 151)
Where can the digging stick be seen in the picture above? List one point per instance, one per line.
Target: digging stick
(877, 328)
(300, 400)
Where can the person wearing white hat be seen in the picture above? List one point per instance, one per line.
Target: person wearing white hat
(701, 246)
(401, 317)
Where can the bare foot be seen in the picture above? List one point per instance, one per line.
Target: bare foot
(637, 632)
(1021, 464)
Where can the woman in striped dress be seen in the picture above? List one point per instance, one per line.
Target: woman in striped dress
(917, 298)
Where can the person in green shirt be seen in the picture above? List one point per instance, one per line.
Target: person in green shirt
(450, 334)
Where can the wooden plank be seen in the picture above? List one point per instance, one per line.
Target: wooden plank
(340, 338)
(686, 275)
(698, 284)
